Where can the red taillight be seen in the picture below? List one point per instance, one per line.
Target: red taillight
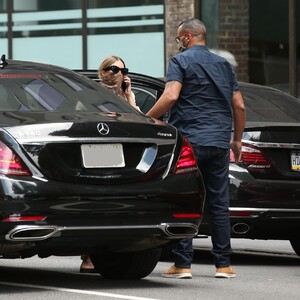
(254, 159)
(24, 218)
(240, 214)
(246, 214)
(187, 162)
(252, 155)
(10, 163)
(187, 216)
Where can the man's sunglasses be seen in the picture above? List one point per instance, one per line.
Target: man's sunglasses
(177, 38)
(116, 70)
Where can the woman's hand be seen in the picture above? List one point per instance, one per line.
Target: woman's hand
(127, 81)
(130, 97)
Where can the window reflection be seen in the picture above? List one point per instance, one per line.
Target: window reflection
(57, 92)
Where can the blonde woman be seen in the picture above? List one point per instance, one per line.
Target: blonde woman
(113, 74)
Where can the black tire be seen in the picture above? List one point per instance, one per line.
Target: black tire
(129, 265)
(295, 243)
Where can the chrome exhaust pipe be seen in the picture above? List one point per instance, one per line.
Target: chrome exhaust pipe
(31, 233)
(240, 228)
(180, 230)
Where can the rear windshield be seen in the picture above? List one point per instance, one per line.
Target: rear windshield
(59, 91)
(264, 104)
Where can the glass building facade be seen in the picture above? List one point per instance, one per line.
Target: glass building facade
(79, 34)
(260, 37)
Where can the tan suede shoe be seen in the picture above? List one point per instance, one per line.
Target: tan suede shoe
(225, 272)
(179, 273)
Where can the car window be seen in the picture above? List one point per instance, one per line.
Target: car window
(56, 92)
(145, 99)
(147, 89)
(147, 93)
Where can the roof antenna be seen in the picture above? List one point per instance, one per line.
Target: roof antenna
(3, 62)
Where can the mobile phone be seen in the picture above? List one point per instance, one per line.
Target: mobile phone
(124, 86)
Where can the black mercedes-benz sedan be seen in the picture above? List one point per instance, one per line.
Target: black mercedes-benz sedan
(81, 171)
(265, 187)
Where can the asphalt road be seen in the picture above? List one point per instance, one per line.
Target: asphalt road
(266, 270)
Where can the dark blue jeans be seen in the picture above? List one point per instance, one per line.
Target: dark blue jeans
(214, 165)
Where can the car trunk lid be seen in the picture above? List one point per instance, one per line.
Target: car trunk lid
(93, 148)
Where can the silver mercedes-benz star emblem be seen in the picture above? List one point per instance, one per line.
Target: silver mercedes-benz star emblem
(103, 128)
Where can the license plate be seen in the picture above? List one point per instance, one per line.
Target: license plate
(295, 161)
(102, 155)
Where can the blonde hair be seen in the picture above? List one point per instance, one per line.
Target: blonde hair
(108, 62)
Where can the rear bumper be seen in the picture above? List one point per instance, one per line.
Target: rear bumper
(264, 223)
(261, 209)
(46, 240)
(76, 218)
(30, 233)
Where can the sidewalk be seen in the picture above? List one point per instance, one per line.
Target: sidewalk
(246, 245)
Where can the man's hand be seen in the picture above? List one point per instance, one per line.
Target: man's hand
(167, 99)
(236, 148)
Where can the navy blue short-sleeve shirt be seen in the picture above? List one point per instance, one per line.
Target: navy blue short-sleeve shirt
(203, 111)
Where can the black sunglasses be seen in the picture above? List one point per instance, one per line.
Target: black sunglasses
(116, 70)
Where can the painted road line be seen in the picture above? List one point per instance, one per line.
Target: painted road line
(75, 291)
